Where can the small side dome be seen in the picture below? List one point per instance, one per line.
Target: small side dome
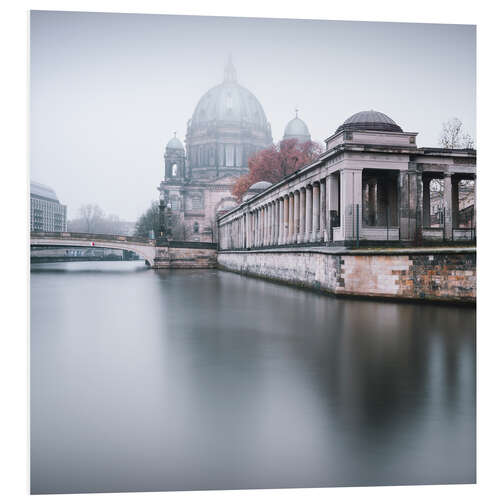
(297, 129)
(174, 143)
(260, 186)
(256, 188)
(370, 120)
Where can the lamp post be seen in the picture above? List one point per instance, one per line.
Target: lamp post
(161, 223)
(169, 221)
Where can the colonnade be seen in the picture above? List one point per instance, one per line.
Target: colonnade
(300, 216)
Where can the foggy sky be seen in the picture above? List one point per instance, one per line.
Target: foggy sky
(108, 90)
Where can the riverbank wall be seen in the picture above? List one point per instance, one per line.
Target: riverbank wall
(433, 274)
(186, 255)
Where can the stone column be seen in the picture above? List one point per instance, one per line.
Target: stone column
(264, 225)
(296, 216)
(282, 221)
(256, 228)
(448, 207)
(316, 214)
(332, 202)
(309, 214)
(273, 222)
(290, 218)
(410, 203)
(322, 210)
(264, 229)
(259, 227)
(351, 189)
(268, 224)
(475, 206)
(426, 201)
(302, 215)
(252, 229)
(455, 183)
(285, 220)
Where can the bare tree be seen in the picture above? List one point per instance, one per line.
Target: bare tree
(91, 216)
(454, 137)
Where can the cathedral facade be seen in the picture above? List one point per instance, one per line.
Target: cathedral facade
(228, 126)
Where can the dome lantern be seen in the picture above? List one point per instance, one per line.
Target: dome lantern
(229, 71)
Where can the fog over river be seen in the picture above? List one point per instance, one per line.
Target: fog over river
(146, 380)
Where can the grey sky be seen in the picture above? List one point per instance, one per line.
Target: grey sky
(108, 90)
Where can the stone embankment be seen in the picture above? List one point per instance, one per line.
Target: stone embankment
(438, 274)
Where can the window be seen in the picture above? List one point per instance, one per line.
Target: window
(196, 228)
(196, 202)
(174, 170)
(229, 155)
(175, 203)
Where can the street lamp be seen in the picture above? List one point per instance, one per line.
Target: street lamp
(161, 222)
(169, 221)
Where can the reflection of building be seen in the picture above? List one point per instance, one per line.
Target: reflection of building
(228, 126)
(372, 184)
(46, 212)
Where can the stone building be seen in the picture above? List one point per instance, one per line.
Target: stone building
(46, 211)
(371, 185)
(228, 125)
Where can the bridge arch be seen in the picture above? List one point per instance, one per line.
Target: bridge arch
(143, 247)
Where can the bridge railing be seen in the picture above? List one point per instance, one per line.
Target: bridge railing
(92, 237)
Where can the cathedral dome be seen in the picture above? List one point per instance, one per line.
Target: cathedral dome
(229, 102)
(370, 120)
(228, 126)
(297, 129)
(174, 143)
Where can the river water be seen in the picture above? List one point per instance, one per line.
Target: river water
(147, 380)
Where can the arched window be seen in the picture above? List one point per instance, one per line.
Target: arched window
(174, 170)
(196, 228)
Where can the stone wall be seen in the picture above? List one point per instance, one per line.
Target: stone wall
(185, 258)
(448, 275)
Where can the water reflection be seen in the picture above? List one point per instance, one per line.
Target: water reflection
(174, 380)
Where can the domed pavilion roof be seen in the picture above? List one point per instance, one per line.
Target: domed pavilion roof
(297, 129)
(370, 120)
(229, 102)
(260, 186)
(255, 189)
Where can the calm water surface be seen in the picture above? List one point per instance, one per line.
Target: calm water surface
(144, 380)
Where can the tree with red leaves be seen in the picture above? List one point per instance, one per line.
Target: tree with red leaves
(276, 162)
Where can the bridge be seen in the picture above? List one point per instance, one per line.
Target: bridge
(171, 254)
(144, 247)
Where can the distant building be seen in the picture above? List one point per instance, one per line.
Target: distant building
(227, 127)
(46, 211)
(297, 129)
